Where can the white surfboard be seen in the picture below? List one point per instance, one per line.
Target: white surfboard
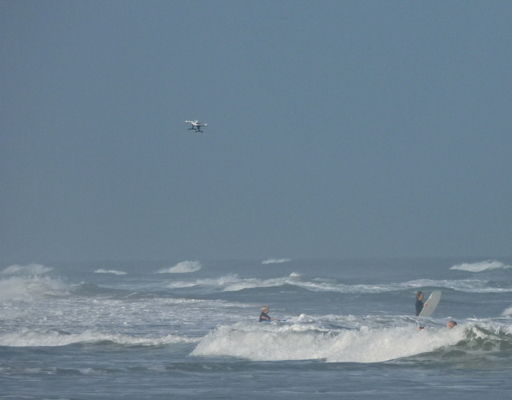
(431, 304)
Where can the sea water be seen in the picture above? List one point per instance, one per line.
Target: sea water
(189, 329)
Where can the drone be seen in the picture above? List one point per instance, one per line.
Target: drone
(196, 125)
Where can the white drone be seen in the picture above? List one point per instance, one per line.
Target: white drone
(196, 125)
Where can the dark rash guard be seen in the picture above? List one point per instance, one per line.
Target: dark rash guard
(419, 307)
(264, 317)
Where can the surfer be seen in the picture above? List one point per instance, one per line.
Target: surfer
(419, 302)
(264, 317)
(451, 324)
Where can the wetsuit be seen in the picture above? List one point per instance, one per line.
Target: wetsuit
(419, 307)
(264, 317)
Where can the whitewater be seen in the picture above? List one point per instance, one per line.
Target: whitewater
(189, 329)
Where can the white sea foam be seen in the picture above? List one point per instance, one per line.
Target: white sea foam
(276, 261)
(265, 342)
(27, 338)
(30, 288)
(109, 271)
(30, 269)
(251, 283)
(481, 266)
(183, 267)
(217, 283)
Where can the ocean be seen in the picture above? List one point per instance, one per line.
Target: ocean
(189, 329)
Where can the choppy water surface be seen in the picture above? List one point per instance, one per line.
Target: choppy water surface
(189, 329)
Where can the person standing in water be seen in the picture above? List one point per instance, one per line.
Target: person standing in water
(419, 302)
(264, 317)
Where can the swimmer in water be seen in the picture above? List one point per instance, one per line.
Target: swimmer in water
(451, 324)
(264, 317)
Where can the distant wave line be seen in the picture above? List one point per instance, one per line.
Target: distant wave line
(232, 283)
(481, 266)
(32, 338)
(276, 261)
(183, 267)
(110, 271)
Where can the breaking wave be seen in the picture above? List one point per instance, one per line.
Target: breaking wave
(31, 288)
(110, 271)
(183, 267)
(268, 342)
(481, 266)
(30, 269)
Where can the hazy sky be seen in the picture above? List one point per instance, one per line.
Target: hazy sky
(335, 129)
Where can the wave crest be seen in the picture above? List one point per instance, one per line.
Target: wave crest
(363, 345)
(109, 271)
(30, 269)
(276, 261)
(481, 266)
(183, 267)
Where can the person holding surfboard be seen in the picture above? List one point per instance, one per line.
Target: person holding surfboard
(427, 309)
(419, 302)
